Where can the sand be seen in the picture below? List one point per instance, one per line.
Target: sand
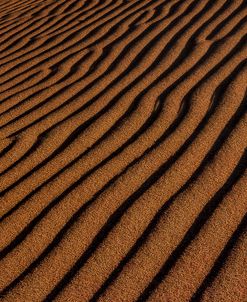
(123, 150)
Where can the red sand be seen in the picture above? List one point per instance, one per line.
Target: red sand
(123, 150)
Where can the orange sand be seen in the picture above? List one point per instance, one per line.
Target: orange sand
(123, 150)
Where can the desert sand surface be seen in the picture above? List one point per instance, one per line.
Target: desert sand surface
(123, 150)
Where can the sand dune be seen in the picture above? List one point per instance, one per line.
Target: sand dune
(123, 150)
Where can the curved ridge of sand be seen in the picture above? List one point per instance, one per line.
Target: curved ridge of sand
(123, 150)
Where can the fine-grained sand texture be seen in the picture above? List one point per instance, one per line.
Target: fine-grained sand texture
(123, 150)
